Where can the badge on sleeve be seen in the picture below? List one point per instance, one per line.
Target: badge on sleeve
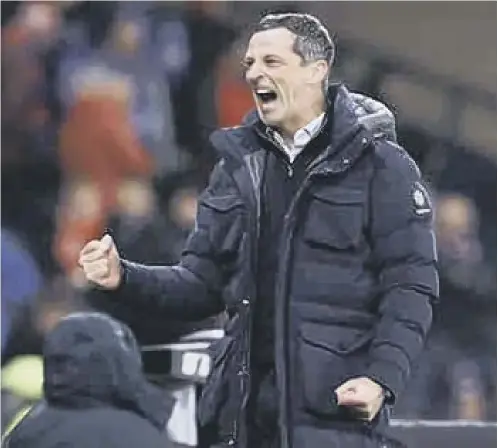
(421, 200)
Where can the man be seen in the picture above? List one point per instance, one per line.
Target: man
(315, 234)
(95, 393)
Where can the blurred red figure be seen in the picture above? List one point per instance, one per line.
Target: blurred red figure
(233, 96)
(99, 147)
(99, 150)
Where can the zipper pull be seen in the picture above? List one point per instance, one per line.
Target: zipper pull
(290, 170)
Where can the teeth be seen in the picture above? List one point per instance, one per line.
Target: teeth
(263, 91)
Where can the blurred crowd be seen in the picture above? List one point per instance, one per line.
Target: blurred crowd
(106, 109)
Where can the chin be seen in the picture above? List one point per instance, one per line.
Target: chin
(269, 119)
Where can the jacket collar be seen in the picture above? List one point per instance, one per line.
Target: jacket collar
(339, 129)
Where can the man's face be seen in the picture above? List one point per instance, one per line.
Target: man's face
(277, 77)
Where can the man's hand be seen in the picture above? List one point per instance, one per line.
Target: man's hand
(363, 395)
(100, 262)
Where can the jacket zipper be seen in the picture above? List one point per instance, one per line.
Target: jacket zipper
(281, 296)
(281, 289)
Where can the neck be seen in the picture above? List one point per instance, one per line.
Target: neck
(306, 116)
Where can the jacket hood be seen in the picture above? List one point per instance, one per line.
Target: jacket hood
(374, 115)
(91, 359)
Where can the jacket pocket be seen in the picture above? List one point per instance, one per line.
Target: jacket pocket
(335, 218)
(330, 354)
(223, 221)
(223, 203)
(215, 391)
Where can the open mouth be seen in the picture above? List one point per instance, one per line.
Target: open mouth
(266, 96)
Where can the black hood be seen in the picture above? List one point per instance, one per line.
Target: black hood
(92, 360)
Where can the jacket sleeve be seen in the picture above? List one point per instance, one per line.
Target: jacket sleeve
(190, 290)
(404, 253)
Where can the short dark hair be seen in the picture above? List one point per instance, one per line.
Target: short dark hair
(313, 40)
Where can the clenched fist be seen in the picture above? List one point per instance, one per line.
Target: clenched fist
(100, 262)
(362, 394)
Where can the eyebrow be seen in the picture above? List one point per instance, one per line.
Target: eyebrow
(271, 55)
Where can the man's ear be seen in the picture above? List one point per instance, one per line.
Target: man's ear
(318, 71)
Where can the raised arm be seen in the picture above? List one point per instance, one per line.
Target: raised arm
(190, 290)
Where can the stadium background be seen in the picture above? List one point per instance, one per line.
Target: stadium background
(106, 107)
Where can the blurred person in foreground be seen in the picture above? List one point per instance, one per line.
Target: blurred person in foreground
(95, 392)
(315, 233)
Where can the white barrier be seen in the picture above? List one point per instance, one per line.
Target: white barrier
(444, 433)
(441, 424)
